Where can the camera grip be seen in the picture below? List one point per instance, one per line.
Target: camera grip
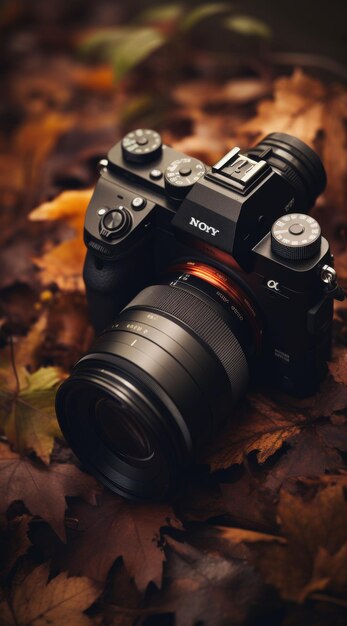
(110, 285)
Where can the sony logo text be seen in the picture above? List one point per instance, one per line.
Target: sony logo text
(204, 227)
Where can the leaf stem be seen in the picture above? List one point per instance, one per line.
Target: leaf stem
(14, 368)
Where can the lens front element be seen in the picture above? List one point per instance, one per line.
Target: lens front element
(120, 431)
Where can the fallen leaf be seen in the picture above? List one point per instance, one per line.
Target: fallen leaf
(42, 489)
(259, 425)
(311, 551)
(249, 504)
(68, 332)
(310, 453)
(27, 413)
(117, 528)
(296, 108)
(201, 93)
(206, 587)
(122, 601)
(34, 140)
(61, 334)
(37, 602)
(200, 499)
(63, 264)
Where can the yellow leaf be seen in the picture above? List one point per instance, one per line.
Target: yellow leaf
(63, 264)
(39, 600)
(27, 414)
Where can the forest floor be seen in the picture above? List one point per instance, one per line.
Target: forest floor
(258, 534)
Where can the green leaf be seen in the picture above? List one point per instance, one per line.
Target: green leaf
(124, 47)
(160, 13)
(27, 414)
(134, 48)
(248, 25)
(103, 41)
(202, 12)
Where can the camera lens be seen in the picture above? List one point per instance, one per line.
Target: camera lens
(294, 160)
(160, 380)
(120, 430)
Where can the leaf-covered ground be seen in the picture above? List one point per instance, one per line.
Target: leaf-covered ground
(258, 533)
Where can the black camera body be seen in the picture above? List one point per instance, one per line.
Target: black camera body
(221, 215)
(198, 279)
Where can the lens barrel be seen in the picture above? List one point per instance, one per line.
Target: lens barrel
(160, 381)
(294, 160)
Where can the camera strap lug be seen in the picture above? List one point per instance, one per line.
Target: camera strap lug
(332, 288)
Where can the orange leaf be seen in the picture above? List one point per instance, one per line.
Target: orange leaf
(63, 264)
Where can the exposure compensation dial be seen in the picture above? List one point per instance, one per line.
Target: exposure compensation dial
(181, 175)
(296, 237)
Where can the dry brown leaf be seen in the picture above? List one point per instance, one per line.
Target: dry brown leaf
(206, 587)
(35, 601)
(35, 139)
(117, 528)
(63, 264)
(259, 425)
(296, 108)
(42, 489)
(201, 93)
(61, 334)
(311, 553)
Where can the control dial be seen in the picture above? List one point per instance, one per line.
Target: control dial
(296, 237)
(141, 146)
(114, 223)
(181, 175)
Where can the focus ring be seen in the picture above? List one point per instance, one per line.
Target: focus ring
(204, 322)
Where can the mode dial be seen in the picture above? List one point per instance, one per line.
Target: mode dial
(181, 175)
(141, 145)
(296, 237)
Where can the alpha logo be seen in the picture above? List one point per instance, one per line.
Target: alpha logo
(272, 284)
(204, 227)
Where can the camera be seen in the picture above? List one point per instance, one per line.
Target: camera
(199, 280)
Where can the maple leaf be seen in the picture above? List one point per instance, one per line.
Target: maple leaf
(27, 414)
(117, 528)
(310, 555)
(63, 264)
(206, 587)
(259, 425)
(42, 489)
(35, 602)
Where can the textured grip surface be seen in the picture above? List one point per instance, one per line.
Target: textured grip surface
(205, 322)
